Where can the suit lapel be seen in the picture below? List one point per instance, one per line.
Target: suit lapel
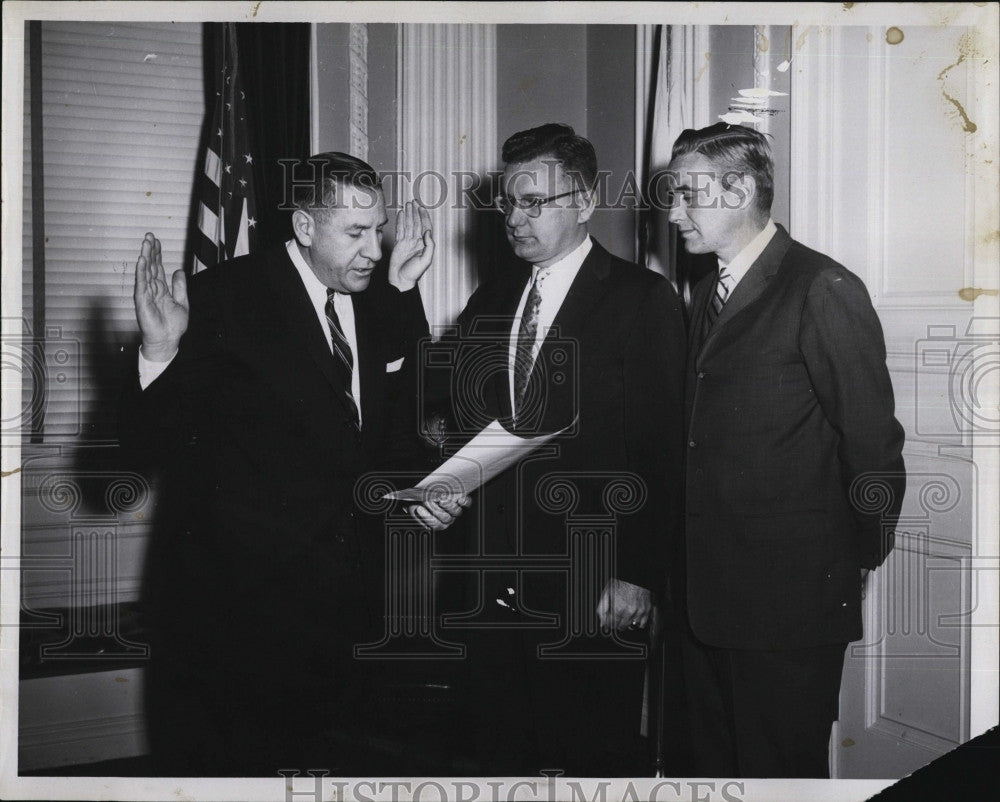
(300, 322)
(750, 287)
(700, 300)
(570, 322)
(585, 291)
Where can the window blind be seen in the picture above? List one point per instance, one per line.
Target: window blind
(123, 108)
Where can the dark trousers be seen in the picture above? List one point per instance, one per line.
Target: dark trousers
(530, 714)
(217, 718)
(765, 713)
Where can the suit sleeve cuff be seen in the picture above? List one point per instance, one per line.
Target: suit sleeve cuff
(150, 371)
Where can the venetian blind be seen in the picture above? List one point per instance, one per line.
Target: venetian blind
(123, 108)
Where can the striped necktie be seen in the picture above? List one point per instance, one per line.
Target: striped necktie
(526, 335)
(343, 357)
(722, 289)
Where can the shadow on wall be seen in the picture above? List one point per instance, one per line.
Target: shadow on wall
(484, 241)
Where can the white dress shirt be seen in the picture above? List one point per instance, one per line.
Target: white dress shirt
(744, 260)
(149, 371)
(555, 283)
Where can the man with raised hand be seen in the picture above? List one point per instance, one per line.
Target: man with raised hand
(265, 387)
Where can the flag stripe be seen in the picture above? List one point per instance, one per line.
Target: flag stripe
(225, 191)
(213, 167)
(208, 223)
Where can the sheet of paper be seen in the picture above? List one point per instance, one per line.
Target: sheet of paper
(485, 456)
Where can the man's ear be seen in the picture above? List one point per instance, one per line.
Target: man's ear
(303, 227)
(587, 211)
(742, 191)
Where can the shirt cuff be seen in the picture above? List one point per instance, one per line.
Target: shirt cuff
(150, 371)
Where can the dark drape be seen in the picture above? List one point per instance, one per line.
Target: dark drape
(274, 63)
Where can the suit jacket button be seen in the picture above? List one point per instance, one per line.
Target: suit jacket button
(701, 374)
(691, 444)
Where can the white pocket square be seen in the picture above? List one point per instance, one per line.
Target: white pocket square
(392, 367)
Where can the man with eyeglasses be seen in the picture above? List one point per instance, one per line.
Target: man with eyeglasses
(568, 335)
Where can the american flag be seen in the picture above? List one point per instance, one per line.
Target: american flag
(671, 114)
(226, 208)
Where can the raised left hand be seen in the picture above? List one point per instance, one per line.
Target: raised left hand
(414, 248)
(624, 606)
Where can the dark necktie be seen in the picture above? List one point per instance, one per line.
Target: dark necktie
(343, 358)
(722, 289)
(525, 343)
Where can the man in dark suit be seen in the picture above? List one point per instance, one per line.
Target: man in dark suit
(791, 435)
(573, 541)
(262, 399)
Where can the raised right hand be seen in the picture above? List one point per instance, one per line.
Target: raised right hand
(162, 311)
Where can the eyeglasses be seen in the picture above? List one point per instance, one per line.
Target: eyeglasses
(530, 206)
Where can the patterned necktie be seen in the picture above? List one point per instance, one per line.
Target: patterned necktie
(526, 334)
(722, 289)
(342, 355)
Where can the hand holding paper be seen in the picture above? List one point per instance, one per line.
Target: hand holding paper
(484, 457)
(439, 514)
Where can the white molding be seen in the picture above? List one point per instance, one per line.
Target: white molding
(878, 178)
(358, 121)
(763, 40)
(985, 577)
(313, 91)
(876, 614)
(701, 70)
(447, 125)
(814, 89)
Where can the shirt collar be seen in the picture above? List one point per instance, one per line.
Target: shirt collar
(570, 263)
(317, 289)
(744, 260)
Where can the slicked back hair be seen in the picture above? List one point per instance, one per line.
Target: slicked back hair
(559, 142)
(337, 170)
(734, 149)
